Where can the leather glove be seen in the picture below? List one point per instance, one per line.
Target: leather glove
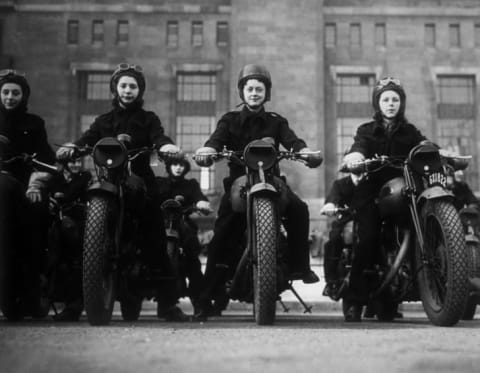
(37, 182)
(204, 156)
(313, 160)
(65, 151)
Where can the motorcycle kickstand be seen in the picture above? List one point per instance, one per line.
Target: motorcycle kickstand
(308, 309)
(284, 306)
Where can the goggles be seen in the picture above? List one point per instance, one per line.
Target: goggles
(388, 80)
(9, 72)
(126, 67)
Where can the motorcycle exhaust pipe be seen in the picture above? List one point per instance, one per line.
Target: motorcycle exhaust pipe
(398, 261)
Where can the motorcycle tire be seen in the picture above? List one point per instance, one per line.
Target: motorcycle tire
(99, 277)
(10, 301)
(131, 308)
(265, 240)
(471, 307)
(443, 273)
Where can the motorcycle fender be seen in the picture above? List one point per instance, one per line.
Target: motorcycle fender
(260, 187)
(103, 186)
(434, 193)
(238, 194)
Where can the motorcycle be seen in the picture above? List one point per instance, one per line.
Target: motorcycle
(423, 252)
(470, 219)
(261, 273)
(113, 267)
(14, 267)
(176, 215)
(67, 209)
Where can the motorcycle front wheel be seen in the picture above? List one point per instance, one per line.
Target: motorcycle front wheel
(99, 276)
(443, 272)
(265, 239)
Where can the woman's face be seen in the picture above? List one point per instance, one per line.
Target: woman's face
(11, 95)
(177, 169)
(389, 103)
(254, 93)
(127, 89)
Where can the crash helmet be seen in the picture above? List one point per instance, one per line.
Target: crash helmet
(388, 84)
(14, 76)
(125, 69)
(254, 71)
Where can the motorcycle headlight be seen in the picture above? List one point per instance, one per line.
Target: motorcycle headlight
(260, 151)
(425, 158)
(110, 152)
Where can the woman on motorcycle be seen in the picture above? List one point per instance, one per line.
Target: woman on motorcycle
(235, 130)
(23, 202)
(391, 134)
(175, 184)
(127, 84)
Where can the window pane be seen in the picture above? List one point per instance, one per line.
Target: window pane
(72, 31)
(380, 34)
(222, 34)
(122, 32)
(477, 35)
(430, 35)
(97, 31)
(197, 33)
(353, 97)
(194, 87)
(172, 34)
(330, 35)
(355, 35)
(98, 86)
(454, 31)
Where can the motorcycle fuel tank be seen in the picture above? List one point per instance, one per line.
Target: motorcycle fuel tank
(391, 199)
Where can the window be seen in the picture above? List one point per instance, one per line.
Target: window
(122, 32)
(172, 34)
(196, 87)
(197, 33)
(222, 34)
(196, 96)
(430, 35)
(477, 35)
(454, 35)
(95, 86)
(456, 111)
(380, 35)
(353, 98)
(330, 35)
(97, 31)
(72, 31)
(355, 35)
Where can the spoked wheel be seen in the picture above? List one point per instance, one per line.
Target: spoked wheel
(443, 272)
(99, 275)
(265, 236)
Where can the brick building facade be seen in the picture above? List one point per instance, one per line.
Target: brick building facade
(324, 57)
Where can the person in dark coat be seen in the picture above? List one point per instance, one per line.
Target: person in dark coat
(23, 198)
(391, 134)
(340, 196)
(235, 130)
(127, 116)
(464, 196)
(176, 184)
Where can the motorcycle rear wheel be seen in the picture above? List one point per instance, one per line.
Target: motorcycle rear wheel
(99, 278)
(265, 236)
(443, 277)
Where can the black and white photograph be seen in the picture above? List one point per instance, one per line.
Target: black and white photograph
(217, 186)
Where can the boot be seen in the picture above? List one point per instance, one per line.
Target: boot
(171, 313)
